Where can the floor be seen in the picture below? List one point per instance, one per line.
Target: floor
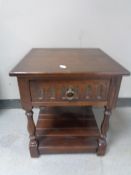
(15, 158)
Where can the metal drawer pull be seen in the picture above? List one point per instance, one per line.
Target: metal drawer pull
(70, 94)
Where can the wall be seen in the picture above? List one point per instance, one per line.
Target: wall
(63, 23)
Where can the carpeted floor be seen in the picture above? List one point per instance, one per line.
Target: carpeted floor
(15, 158)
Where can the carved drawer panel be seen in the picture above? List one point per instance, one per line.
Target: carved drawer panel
(85, 90)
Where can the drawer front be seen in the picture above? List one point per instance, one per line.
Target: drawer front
(85, 90)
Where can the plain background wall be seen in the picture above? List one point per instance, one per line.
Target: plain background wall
(63, 23)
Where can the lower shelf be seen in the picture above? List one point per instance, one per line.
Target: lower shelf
(67, 145)
(67, 130)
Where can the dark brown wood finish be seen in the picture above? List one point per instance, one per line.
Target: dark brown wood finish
(67, 130)
(65, 78)
(27, 106)
(45, 62)
(74, 90)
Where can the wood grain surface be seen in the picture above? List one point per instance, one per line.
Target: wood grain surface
(77, 61)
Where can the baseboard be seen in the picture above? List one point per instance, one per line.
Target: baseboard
(10, 104)
(15, 103)
(124, 102)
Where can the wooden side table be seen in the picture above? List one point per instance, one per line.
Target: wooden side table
(65, 84)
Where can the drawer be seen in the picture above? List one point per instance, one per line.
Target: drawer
(70, 90)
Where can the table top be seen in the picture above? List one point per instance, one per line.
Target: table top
(40, 61)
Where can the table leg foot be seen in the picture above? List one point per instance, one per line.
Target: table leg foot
(33, 147)
(101, 146)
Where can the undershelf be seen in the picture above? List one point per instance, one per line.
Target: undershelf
(67, 130)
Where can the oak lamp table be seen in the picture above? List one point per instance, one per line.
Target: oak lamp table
(65, 84)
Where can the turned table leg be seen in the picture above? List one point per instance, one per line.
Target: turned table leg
(103, 131)
(33, 145)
